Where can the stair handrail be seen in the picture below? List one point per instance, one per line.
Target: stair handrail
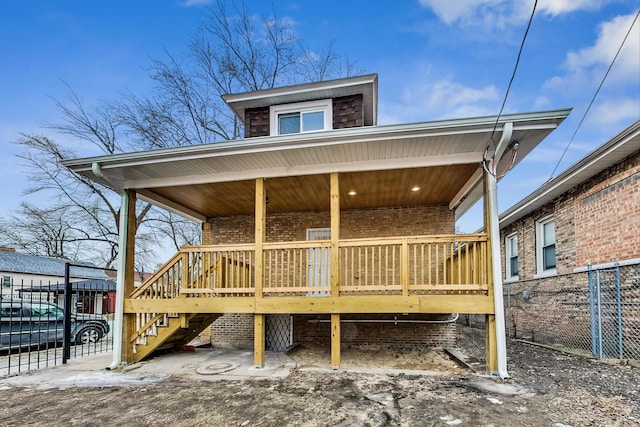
(151, 280)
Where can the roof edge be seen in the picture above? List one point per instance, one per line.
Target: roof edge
(344, 134)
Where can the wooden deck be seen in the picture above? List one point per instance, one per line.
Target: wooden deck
(417, 274)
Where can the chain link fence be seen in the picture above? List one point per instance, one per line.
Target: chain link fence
(595, 312)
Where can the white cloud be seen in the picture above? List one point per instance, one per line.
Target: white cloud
(610, 36)
(440, 99)
(460, 10)
(189, 3)
(586, 67)
(614, 111)
(500, 13)
(559, 7)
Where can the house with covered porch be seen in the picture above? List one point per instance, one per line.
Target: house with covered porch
(322, 219)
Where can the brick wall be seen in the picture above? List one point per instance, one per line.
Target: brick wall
(597, 222)
(233, 330)
(371, 333)
(356, 223)
(558, 310)
(382, 222)
(348, 112)
(608, 215)
(256, 122)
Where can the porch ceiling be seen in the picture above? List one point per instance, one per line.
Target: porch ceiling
(434, 185)
(380, 163)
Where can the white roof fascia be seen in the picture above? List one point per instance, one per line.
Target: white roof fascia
(301, 88)
(590, 165)
(336, 136)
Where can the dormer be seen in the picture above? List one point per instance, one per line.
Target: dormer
(306, 108)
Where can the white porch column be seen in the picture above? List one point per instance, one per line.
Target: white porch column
(120, 278)
(494, 230)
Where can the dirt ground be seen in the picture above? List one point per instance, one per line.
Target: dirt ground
(547, 388)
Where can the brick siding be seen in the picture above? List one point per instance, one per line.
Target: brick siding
(370, 333)
(597, 222)
(608, 215)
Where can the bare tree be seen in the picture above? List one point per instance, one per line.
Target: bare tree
(85, 210)
(43, 232)
(234, 51)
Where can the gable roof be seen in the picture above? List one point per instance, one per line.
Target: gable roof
(203, 181)
(15, 262)
(608, 154)
(366, 85)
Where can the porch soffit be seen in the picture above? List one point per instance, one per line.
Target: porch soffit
(436, 154)
(388, 188)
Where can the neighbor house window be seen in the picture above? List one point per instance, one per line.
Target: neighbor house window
(546, 245)
(301, 117)
(6, 281)
(511, 251)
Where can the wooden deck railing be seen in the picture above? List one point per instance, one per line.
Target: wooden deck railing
(419, 265)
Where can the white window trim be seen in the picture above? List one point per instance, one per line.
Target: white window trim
(324, 105)
(507, 259)
(539, 263)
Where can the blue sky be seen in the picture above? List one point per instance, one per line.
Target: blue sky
(436, 59)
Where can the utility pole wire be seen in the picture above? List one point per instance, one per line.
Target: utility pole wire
(594, 96)
(513, 75)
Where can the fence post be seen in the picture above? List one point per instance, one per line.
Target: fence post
(592, 310)
(66, 336)
(599, 315)
(619, 311)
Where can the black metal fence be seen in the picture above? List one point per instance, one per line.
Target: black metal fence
(46, 323)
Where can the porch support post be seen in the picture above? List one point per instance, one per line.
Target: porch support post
(260, 233)
(335, 234)
(335, 342)
(123, 325)
(258, 340)
(495, 327)
(335, 268)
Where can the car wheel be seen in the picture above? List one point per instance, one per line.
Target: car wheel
(88, 335)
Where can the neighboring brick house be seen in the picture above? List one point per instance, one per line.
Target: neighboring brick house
(320, 226)
(587, 218)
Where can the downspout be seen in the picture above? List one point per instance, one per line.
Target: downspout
(122, 244)
(494, 226)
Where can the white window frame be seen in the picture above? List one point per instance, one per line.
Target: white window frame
(539, 255)
(324, 105)
(508, 244)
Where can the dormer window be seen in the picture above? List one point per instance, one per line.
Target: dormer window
(301, 117)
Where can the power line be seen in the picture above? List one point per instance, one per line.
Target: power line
(595, 95)
(513, 75)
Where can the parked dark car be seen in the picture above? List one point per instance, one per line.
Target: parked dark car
(25, 323)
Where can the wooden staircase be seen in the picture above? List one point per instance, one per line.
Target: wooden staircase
(165, 331)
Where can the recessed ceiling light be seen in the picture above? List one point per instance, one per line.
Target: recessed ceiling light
(415, 188)
(352, 193)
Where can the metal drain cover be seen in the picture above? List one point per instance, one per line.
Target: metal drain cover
(216, 368)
